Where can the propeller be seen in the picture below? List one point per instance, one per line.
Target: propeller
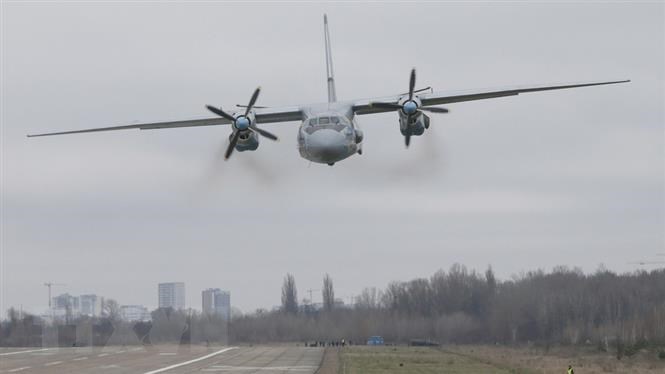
(241, 124)
(409, 107)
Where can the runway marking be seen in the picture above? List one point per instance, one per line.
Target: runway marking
(80, 359)
(258, 368)
(30, 351)
(53, 363)
(18, 369)
(190, 361)
(102, 354)
(109, 367)
(168, 354)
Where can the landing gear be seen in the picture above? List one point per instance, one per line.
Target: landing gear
(331, 163)
(360, 151)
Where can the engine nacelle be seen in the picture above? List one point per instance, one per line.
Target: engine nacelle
(248, 141)
(414, 125)
(417, 122)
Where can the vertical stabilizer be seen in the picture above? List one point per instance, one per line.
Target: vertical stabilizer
(332, 95)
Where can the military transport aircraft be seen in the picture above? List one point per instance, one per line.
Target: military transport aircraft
(328, 131)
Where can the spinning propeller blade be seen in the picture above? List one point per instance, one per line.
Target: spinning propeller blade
(220, 113)
(410, 107)
(264, 133)
(434, 109)
(412, 83)
(232, 144)
(252, 101)
(241, 123)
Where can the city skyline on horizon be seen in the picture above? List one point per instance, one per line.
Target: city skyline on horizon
(40, 310)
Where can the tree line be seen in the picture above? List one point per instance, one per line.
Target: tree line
(563, 306)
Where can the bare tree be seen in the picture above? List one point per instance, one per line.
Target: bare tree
(491, 280)
(369, 298)
(289, 295)
(110, 309)
(328, 293)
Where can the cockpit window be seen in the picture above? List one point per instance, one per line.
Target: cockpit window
(313, 121)
(324, 120)
(334, 120)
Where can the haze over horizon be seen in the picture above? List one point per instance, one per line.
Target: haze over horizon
(572, 177)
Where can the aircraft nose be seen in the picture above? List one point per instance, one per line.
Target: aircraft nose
(327, 144)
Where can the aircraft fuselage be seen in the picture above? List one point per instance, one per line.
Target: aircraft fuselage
(329, 135)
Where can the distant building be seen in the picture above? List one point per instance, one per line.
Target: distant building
(134, 313)
(65, 301)
(171, 295)
(338, 304)
(90, 305)
(65, 305)
(216, 302)
(309, 308)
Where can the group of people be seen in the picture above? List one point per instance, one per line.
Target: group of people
(330, 343)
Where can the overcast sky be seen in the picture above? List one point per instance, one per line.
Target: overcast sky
(573, 177)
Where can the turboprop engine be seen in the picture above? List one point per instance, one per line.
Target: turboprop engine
(245, 135)
(247, 140)
(412, 120)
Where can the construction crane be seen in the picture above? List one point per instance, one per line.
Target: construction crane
(311, 300)
(49, 285)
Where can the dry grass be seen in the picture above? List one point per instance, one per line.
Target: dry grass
(412, 360)
(556, 360)
(491, 359)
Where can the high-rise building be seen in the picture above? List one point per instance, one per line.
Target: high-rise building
(65, 305)
(207, 301)
(90, 305)
(217, 302)
(133, 313)
(171, 295)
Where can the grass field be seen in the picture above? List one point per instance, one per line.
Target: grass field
(416, 360)
(490, 359)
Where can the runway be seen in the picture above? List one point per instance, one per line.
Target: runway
(169, 359)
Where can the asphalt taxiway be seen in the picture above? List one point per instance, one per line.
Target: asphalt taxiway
(169, 359)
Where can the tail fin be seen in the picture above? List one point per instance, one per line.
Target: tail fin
(332, 95)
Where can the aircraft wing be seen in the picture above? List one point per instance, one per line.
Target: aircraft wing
(263, 115)
(436, 98)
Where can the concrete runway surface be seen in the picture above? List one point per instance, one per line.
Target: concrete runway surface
(162, 359)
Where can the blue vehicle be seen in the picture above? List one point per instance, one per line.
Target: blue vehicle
(375, 340)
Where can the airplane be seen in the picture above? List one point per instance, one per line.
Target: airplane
(329, 131)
